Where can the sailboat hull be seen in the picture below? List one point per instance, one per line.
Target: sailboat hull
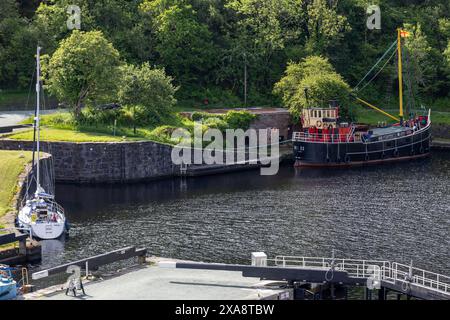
(45, 228)
(46, 231)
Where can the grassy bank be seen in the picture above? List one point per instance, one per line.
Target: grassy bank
(12, 164)
(372, 117)
(52, 134)
(99, 127)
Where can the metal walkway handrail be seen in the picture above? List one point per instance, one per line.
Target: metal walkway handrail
(394, 273)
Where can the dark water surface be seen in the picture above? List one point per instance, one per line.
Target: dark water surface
(392, 212)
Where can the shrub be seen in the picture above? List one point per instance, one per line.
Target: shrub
(216, 123)
(239, 119)
(150, 91)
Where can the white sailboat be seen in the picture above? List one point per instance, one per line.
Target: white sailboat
(41, 214)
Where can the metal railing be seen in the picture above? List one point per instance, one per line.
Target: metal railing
(392, 272)
(355, 268)
(56, 207)
(410, 275)
(351, 137)
(325, 138)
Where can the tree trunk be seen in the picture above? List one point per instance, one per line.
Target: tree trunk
(77, 110)
(80, 103)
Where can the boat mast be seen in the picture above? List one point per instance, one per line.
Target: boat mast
(38, 75)
(400, 77)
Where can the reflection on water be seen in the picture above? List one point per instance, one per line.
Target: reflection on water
(394, 212)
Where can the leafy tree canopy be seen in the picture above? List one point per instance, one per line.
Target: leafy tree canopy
(84, 69)
(317, 76)
(150, 89)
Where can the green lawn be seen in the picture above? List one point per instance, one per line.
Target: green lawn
(369, 116)
(51, 134)
(12, 164)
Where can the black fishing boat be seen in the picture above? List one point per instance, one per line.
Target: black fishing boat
(325, 140)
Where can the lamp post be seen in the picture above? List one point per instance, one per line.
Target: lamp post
(245, 79)
(134, 103)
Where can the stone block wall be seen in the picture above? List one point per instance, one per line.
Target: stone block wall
(281, 120)
(440, 130)
(104, 162)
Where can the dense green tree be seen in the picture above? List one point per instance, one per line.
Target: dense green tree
(324, 26)
(184, 45)
(150, 90)
(421, 59)
(121, 22)
(83, 70)
(206, 45)
(317, 76)
(17, 47)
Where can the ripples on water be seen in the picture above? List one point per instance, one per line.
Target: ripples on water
(392, 212)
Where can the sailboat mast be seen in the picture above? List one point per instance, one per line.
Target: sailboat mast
(400, 75)
(38, 89)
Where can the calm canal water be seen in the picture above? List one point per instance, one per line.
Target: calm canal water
(393, 212)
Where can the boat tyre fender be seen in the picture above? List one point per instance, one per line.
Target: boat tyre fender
(328, 159)
(366, 158)
(421, 150)
(383, 155)
(396, 153)
(347, 158)
(338, 160)
(67, 225)
(411, 153)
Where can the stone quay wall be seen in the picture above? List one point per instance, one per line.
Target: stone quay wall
(104, 162)
(440, 130)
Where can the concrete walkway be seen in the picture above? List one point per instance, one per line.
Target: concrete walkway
(155, 283)
(11, 118)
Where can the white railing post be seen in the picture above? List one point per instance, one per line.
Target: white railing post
(437, 281)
